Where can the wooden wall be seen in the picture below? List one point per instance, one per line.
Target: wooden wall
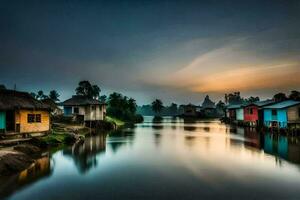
(25, 127)
(293, 113)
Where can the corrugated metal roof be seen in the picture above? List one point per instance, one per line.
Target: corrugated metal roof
(234, 106)
(283, 104)
(78, 100)
(260, 103)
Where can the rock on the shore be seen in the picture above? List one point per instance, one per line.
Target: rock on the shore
(27, 149)
(12, 162)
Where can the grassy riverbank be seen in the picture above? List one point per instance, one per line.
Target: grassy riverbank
(118, 122)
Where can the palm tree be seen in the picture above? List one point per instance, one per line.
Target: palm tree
(40, 95)
(53, 95)
(157, 106)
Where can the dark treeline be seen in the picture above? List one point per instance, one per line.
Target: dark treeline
(171, 110)
(235, 98)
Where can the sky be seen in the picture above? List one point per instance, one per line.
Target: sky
(177, 51)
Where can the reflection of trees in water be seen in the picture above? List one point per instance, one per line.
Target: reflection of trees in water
(189, 128)
(157, 123)
(84, 154)
(174, 121)
(189, 120)
(39, 170)
(189, 140)
(120, 137)
(157, 139)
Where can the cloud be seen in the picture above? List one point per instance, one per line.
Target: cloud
(232, 67)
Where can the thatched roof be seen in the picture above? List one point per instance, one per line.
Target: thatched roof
(78, 100)
(11, 100)
(207, 103)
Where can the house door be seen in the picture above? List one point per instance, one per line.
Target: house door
(10, 120)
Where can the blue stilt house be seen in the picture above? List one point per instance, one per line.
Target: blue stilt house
(282, 114)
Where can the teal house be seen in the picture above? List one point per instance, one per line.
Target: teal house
(282, 114)
(2, 121)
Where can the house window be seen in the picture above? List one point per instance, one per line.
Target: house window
(274, 112)
(38, 118)
(250, 111)
(30, 118)
(76, 110)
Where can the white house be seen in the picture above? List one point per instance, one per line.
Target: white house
(84, 109)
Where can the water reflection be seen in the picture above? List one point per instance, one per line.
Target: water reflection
(119, 138)
(173, 159)
(36, 172)
(84, 154)
(280, 146)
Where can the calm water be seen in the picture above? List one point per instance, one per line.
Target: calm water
(172, 159)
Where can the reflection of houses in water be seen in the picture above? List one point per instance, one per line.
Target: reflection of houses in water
(84, 154)
(284, 147)
(40, 169)
(253, 138)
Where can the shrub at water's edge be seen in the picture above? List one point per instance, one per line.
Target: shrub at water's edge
(122, 109)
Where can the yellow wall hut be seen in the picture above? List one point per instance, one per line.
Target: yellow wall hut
(21, 113)
(33, 121)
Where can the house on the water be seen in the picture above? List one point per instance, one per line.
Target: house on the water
(253, 112)
(235, 113)
(283, 114)
(84, 109)
(21, 113)
(189, 110)
(209, 107)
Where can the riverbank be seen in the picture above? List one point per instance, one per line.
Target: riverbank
(14, 159)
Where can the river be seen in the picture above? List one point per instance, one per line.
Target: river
(169, 159)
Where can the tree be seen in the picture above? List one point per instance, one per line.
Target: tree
(95, 93)
(103, 98)
(121, 107)
(252, 99)
(173, 109)
(295, 95)
(85, 88)
(2, 87)
(233, 98)
(33, 94)
(157, 106)
(131, 105)
(40, 95)
(279, 97)
(53, 95)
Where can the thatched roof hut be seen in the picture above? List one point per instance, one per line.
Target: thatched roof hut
(12, 100)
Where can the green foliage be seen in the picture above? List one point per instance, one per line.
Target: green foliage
(115, 121)
(157, 106)
(85, 88)
(103, 98)
(295, 95)
(40, 95)
(121, 107)
(2, 87)
(54, 96)
(280, 97)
